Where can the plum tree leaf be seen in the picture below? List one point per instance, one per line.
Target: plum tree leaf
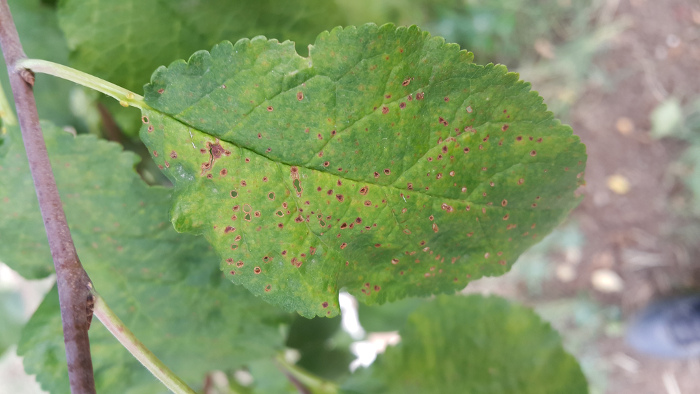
(385, 163)
(473, 344)
(162, 284)
(41, 38)
(139, 35)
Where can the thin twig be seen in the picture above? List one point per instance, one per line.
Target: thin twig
(72, 280)
(137, 349)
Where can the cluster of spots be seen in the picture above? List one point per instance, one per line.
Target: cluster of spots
(215, 151)
(367, 289)
(145, 120)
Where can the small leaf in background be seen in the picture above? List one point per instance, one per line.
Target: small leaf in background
(667, 119)
(624, 125)
(618, 184)
(473, 344)
(397, 169)
(163, 285)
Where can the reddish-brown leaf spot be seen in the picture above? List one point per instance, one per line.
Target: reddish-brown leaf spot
(270, 109)
(300, 96)
(343, 245)
(257, 270)
(325, 305)
(504, 127)
(504, 202)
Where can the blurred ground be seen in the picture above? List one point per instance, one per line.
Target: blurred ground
(631, 243)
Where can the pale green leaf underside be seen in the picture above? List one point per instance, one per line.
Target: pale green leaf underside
(386, 163)
(474, 344)
(162, 284)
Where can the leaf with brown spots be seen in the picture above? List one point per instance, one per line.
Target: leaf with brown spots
(162, 284)
(471, 344)
(410, 161)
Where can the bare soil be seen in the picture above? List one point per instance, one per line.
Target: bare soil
(635, 233)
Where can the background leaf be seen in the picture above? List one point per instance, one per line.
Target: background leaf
(137, 36)
(473, 344)
(395, 169)
(161, 284)
(41, 38)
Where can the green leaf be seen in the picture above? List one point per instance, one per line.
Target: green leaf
(386, 163)
(323, 346)
(163, 285)
(41, 38)
(473, 344)
(388, 317)
(125, 41)
(11, 318)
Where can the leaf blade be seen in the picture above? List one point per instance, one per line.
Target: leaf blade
(473, 344)
(321, 163)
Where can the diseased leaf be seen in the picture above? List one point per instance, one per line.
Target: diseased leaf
(473, 344)
(124, 41)
(163, 285)
(386, 163)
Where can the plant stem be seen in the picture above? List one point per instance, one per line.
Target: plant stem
(304, 381)
(72, 281)
(125, 97)
(137, 349)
